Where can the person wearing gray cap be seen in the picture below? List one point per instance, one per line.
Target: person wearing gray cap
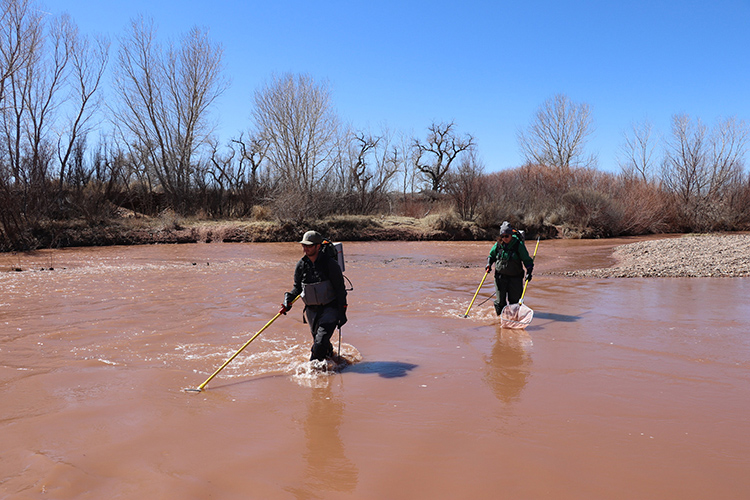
(510, 255)
(318, 278)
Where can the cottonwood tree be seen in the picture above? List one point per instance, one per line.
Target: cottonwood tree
(637, 152)
(371, 170)
(22, 46)
(401, 154)
(557, 135)
(164, 100)
(88, 60)
(20, 38)
(49, 77)
(434, 157)
(702, 168)
(237, 173)
(20, 35)
(294, 113)
(467, 185)
(252, 152)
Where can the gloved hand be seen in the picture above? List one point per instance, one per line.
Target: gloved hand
(528, 275)
(288, 299)
(488, 268)
(342, 316)
(283, 310)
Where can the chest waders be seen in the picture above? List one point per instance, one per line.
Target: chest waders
(318, 294)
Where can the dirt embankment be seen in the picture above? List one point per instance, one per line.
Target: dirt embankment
(709, 255)
(132, 229)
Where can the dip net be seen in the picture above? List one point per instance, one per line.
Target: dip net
(516, 316)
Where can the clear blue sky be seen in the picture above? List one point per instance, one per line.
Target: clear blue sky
(485, 65)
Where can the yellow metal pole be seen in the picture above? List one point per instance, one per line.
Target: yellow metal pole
(200, 387)
(475, 294)
(527, 281)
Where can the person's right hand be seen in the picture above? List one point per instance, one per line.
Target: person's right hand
(488, 268)
(287, 304)
(283, 310)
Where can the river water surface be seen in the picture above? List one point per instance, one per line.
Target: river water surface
(619, 388)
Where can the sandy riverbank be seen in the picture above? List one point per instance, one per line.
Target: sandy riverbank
(692, 255)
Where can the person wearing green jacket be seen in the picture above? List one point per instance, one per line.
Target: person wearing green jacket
(510, 256)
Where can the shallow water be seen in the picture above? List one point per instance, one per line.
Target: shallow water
(619, 388)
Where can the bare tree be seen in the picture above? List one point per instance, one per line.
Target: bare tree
(372, 170)
(728, 144)
(557, 135)
(252, 153)
(467, 185)
(295, 114)
(237, 174)
(701, 168)
(54, 71)
(684, 171)
(88, 61)
(164, 100)
(434, 157)
(401, 155)
(637, 152)
(43, 60)
(22, 46)
(45, 79)
(20, 37)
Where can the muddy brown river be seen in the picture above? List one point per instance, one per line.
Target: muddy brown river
(619, 388)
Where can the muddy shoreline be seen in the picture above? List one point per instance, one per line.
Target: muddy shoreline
(134, 229)
(668, 255)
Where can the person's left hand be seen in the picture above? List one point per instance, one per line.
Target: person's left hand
(528, 276)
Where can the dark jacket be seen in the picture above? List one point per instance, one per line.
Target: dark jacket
(324, 268)
(509, 257)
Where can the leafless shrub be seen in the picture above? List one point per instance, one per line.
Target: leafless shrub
(643, 207)
(590, 212)
(260, 212)
(444, 221)
(170, 220)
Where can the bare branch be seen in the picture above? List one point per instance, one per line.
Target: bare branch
(557, 136)
(434, 157)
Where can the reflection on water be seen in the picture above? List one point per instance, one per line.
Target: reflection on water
(509, 364)
(328, 468)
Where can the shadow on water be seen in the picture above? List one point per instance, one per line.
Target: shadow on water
(386, 369)
(556, 317)
(551, 318)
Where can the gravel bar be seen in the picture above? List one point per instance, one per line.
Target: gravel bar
(690, 256)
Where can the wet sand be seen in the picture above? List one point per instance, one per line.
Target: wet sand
(618, 389)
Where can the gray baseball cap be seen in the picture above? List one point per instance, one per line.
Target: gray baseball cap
(312, 238)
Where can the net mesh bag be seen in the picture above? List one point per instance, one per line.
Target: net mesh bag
(516, 316)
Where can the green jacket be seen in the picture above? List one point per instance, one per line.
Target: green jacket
(509, 257)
